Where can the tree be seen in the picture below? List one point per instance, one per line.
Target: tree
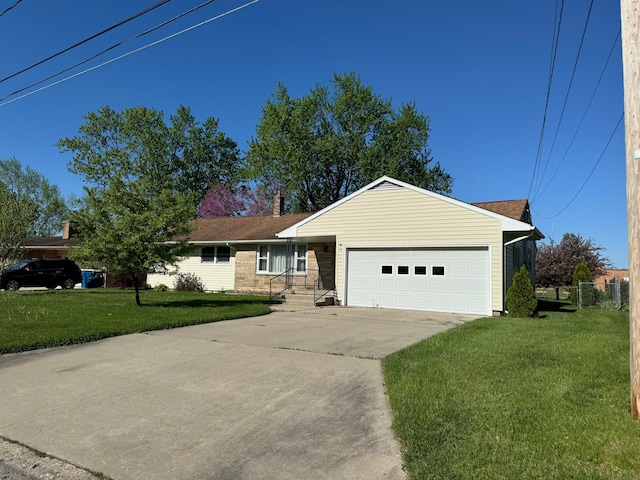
(16, 219)
(143, 180)
(45, 200)
(223, 201)
(555, 263)
(580, 274)
(521, 298)
(331, 142)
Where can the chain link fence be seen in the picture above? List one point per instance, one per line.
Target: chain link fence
(612, 295)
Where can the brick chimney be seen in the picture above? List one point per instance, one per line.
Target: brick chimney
(278, 205)
(68, 230)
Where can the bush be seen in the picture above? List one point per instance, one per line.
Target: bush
(160, 288)
(521, 298)
(188, 282)
(610, 305)
(580, 274)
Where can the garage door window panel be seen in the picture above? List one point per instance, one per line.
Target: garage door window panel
(437, 271)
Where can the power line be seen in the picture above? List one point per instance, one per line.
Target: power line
(554, 53)
(93, 57)
(146, 10)
(606, 64)
(566, 98)
(590, 173)
(228, 12)
(10, 8)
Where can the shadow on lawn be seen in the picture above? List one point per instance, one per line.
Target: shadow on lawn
(204, 303)
(554, 306)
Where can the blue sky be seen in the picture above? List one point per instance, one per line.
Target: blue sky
(479, 70)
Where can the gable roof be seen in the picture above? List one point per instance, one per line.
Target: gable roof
(516, 209)
(509, 224)
(234, 229)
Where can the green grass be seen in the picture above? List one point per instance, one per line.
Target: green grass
(502, 398)
(39, 319)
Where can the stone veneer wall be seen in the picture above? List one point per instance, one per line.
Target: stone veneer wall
(325, 262)
(247, 279)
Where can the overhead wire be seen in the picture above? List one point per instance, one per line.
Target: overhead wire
(566, 98)
(118, 44)
(10, 8)
(95, 67)
(593, 94)
(590, 173)
(82, 42)
(554, 53)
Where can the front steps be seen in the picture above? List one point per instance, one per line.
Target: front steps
(301, 300)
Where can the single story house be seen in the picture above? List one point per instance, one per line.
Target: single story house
(389, 244)
(52, 247)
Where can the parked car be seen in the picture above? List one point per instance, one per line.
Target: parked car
(45, 272)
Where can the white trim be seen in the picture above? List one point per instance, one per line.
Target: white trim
(508, 224)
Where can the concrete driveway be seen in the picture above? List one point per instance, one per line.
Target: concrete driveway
(289, 395)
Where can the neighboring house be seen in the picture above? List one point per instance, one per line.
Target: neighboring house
(611, 276)
(390, 244)
(51, 247)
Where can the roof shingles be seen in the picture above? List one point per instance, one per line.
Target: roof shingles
(242, 228)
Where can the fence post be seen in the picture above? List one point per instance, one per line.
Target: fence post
(579, 293)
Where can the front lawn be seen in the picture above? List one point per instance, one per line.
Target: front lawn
(502, 398)
(38, 319)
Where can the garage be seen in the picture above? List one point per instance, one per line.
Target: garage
(451, 279)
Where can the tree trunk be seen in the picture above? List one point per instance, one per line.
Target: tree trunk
(137, 287)
(557, 293)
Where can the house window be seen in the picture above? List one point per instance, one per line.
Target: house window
(387, 269)
(420, 271)
(221, 254)
(208, 255)
(301, 258)
(403, 270)
(437, 271)
(273, 258)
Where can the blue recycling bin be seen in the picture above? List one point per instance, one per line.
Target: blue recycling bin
(92, 279)
(86, 278)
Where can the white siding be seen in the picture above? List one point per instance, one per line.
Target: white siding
(403, 217)
(214, 276)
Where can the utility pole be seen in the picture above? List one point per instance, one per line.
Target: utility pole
(630, 17)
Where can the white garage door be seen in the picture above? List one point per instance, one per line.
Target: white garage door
(453, 280)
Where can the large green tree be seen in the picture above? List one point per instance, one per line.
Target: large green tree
(33, 191)
(16, 220)
(143, 179)
(327, 144)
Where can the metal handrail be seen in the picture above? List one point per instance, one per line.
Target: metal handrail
(290, 275)
(319, 288)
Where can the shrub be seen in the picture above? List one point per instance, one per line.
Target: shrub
(521, 298)
(610, 305)
(160, 288)
(580, 274)
(188, 282)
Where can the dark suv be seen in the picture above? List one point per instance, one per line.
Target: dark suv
(45, 272)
